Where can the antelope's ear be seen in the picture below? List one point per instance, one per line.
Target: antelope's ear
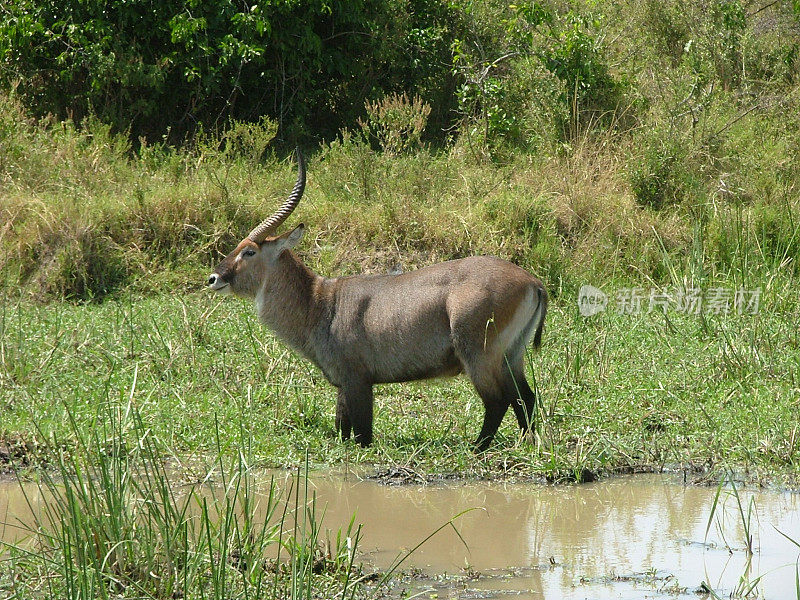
(288, 240)
(294, 236)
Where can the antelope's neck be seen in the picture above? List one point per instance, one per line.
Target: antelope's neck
(287, 303)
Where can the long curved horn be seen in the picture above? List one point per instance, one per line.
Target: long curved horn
(279, 216)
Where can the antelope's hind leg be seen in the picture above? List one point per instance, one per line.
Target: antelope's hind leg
(495, 407)
(521, 397)
(495, 404)
(485, 374)
(500, 387)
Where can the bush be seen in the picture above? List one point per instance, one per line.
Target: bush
(396, 122)
(620, 139)
(157, 69)
(662, 174)
(547, 78)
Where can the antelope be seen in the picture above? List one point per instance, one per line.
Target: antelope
(472, 315)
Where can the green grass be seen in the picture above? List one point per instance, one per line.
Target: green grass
(688, 180)
(619, 392)
(109, 521)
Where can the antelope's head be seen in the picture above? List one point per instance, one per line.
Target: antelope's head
(254, 260)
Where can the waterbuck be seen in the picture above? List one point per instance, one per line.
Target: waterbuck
(472, 315)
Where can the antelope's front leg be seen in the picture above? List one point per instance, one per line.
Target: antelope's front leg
(343, 425)
(354, 408)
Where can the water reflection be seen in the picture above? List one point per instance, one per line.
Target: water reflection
(620, 527)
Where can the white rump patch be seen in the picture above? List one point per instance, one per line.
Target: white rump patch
(520, 320)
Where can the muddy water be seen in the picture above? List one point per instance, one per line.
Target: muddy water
(17, 503)
(611, 539)
(621, 538)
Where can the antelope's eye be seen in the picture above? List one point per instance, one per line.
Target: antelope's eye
(249, 252)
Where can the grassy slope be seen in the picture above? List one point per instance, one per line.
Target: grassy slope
(618, 391)
(694, 184)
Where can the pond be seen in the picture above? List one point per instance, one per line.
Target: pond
(625, 537)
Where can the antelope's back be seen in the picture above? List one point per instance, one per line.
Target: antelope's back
(410, 320)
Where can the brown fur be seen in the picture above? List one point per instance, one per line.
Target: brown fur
(473, 315)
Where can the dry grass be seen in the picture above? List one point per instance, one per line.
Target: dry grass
(83, 217)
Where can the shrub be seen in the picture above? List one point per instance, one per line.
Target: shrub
(162, 69)
(547, 77)
(396, 122)
(658, 176)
